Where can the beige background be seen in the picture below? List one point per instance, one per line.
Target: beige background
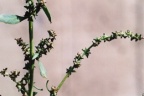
(113, 69)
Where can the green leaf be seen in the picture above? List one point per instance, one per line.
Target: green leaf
(35, 56)
(42, 70)
(45, 9)
(11, 19)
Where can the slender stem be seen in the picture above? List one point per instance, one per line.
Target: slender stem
(62, 82)
(31, 43)
(31, 70)
(31, 38)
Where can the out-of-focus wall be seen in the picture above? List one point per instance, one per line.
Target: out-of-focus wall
(113, 69)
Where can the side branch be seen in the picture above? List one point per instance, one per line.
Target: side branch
(95, 43)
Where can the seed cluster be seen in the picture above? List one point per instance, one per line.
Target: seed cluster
(97, 41)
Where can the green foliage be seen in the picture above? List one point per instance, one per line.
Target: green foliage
(42, 69)
(32, 11)
(11, 19)
(45, 9)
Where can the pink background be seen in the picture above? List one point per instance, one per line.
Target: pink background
(113, 69)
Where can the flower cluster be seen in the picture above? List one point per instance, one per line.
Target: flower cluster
(115, 35)
(25, 48)
(33, 9)
(45, 45)
(13, 74)
(97, 41)
(76, 64)
(20, 85)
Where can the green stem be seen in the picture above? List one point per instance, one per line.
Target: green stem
(31, 70)
(62, 82)
(31, 43)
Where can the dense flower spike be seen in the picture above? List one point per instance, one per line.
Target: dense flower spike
(105, 38)
(45, 45)
(24, 47)
(96, 42)
(13, 75)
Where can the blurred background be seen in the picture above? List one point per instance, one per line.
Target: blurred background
(113, 69)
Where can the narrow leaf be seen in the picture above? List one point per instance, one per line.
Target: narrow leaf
(45, 9)
(42, 70)
(35, 56)
(11, 19)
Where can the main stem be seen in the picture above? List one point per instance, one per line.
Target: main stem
(31, 70)
(31, 43)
